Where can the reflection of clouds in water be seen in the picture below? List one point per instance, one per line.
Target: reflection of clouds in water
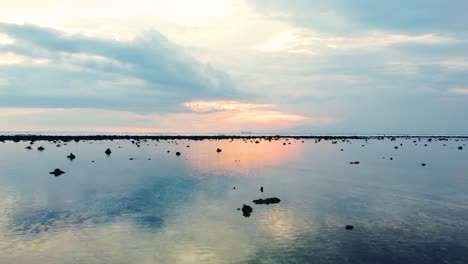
(202, 231)
(284, 225)
(194, 236)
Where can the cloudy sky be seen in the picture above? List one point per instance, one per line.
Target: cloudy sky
(223, 66)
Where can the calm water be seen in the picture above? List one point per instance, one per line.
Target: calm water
(184, 209)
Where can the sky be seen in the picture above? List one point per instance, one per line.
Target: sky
(225, 66)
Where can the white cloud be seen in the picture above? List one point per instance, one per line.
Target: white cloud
(463, 91)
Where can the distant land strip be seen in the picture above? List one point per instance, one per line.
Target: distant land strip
(67, 138)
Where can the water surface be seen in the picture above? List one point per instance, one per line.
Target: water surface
(163, 208)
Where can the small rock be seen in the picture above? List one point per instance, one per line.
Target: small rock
(349, 227)
(41, 148)
(28, 147)
(108, 152)
(177, 153)
(57, 172)
(261, 189)
(423, 164)
(246, 210)
(354, 162)
(272, 200)
(460, 147)
(218, 150)
(71, 156)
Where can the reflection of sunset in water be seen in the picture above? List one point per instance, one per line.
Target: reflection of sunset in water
(284, 225)
(242, 155)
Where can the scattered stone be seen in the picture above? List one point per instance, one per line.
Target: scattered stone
(234, 187)
(28, 147)
(168, 151)
(57, 172)
(177, 153)
(108, 152)
(41, 148)
(130, 158)
(272, 200)
(391, 158)
(246, 210)
(71, 156)
(341, 149)
(218, 150)
(354, 162)
(261, 189)
(349, 227)
(460, 147)
(423, 164)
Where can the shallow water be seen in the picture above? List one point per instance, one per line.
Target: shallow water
(183, 209)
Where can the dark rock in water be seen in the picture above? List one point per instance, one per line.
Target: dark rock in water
(396, 147)
(168, 151)
(257, 142)
(41, 148)
(149, 158)
(188, 146)
(57, 172)
(423, 164)
(130, 158)
(58, 145)
(391, 158)
(218, 150)
(341, 149)
(272, 200)
(261, 189)
(349, 227)
(177, 153)
(284, 143)
(460, 147)
(246, 210)
(234, 188)
(28, 147)
(108, 152)
(354, 162)
(71, 156)
(238, 209)
(92, 161)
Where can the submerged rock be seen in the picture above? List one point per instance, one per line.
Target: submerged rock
(28, 147)
(349, 227)
(177, 153)
(354, 162)
(272, 200)
(71, 156)
(460, 147)
(218, 150)
(423, 164)
(246, 210)
(41, 148)
(57, 172)
(261, 189)
(108, 152)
